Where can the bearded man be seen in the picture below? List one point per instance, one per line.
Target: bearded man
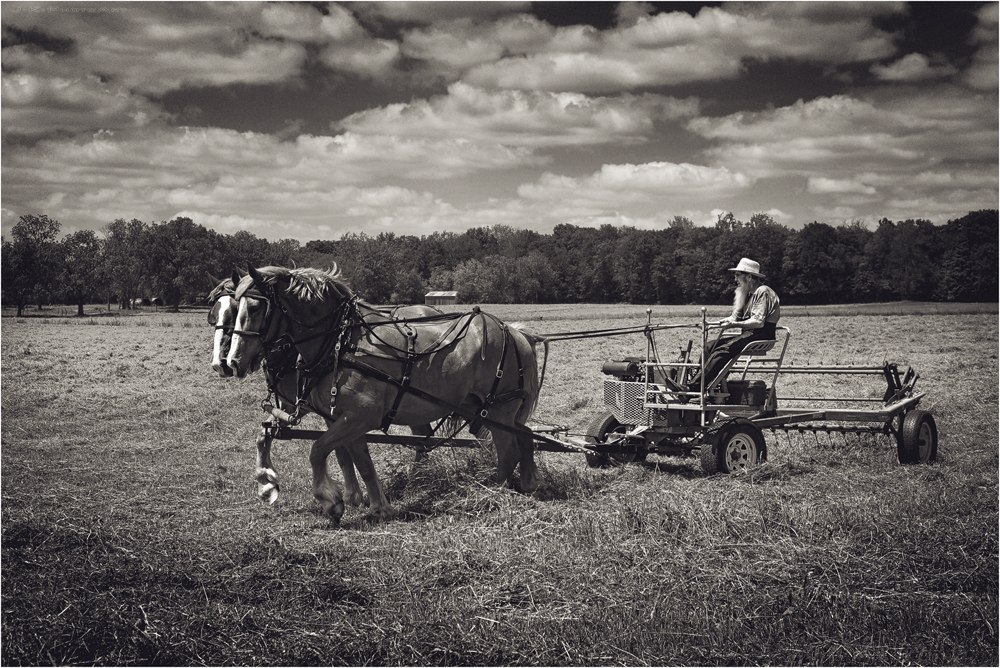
(756, 310)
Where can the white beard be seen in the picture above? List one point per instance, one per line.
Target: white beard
(743, 291)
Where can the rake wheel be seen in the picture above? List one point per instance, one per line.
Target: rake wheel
(600, 428)
(918, 438)
(736, 446)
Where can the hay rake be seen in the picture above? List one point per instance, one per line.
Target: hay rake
(649, 412)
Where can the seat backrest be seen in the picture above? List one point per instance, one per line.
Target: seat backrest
(758, 347)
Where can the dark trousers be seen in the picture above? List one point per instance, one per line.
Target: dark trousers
(723, 349)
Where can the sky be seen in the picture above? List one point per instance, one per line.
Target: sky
(311, 120)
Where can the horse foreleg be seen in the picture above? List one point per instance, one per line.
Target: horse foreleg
(267, 478)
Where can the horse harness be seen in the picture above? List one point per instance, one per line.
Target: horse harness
(340, 346)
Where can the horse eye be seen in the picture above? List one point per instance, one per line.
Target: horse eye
(253, 305)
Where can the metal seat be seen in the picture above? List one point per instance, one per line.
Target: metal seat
(752, 349)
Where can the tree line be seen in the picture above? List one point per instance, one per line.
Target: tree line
(680, 264)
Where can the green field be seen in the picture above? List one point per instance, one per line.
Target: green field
(132, 533)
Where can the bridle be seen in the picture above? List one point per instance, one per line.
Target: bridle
(275, 339)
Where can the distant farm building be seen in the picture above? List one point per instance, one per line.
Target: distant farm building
(439, 297)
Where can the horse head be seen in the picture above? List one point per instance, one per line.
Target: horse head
(222, 316)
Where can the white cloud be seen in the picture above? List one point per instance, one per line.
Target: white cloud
(216, 172)
(155, 48)
(433, 12)
(35, 105)
(912, 67)
(908, 133)
(984, 71)
(627, 184)
(523, 118)
(821, 185)
(675, 48)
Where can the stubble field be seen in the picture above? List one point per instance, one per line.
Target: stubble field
(132, 533)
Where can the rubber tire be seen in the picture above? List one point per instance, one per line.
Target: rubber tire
(597, 432)
(918, 439)
(737, 446)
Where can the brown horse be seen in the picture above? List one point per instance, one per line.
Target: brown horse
(279, 370)
(367, 369)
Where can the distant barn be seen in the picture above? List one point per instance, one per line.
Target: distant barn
(439, 297)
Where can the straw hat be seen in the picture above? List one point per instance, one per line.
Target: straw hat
(748, 266)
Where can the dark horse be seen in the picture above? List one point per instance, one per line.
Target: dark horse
(364, 370)
(279, 371)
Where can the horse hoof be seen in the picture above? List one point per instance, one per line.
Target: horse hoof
(268, 494)
(334, 511)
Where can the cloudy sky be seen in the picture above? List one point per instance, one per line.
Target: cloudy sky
(307, 121)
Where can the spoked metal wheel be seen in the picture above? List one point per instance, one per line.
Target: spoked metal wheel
(600, 430)
(918, 439)
(736, 446)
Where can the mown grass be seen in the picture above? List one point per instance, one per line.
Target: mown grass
(132, 535)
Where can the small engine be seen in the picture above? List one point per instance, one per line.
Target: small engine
(630, 369)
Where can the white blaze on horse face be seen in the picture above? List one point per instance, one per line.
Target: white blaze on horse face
(223, 332)
(243, 349)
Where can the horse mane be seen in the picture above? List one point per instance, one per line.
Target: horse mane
(309, 284)
(226, 287)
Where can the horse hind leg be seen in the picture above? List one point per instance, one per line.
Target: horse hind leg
(267, 477)
(352, 489)
(378, 501)
(529, 470)
(421, 430)
(329, 494)
(514, 450)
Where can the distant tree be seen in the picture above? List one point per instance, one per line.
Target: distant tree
(124, 258)
(322, 246)
(815, 265)
(969, 263)
(29, 264)
(915, 261)
(441, 279)
(179, 254)
(243, 250)
(282, 252)
(369, 264)
(470, 281)
(81, 274)
(533, 279)
(409, 288)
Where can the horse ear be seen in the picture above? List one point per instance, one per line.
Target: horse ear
(255, 275)
(235, 278)
(213, 281)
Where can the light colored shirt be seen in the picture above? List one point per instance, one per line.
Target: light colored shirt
(763, 306)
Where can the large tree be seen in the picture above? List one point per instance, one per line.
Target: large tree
(180, 252)
(125, 258)
(81, 268)
(29, 264)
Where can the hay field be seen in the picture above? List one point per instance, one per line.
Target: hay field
(132, 534)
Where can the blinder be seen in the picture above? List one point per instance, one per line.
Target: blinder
(213, 315)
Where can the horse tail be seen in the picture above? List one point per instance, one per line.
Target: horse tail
(531, 401)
